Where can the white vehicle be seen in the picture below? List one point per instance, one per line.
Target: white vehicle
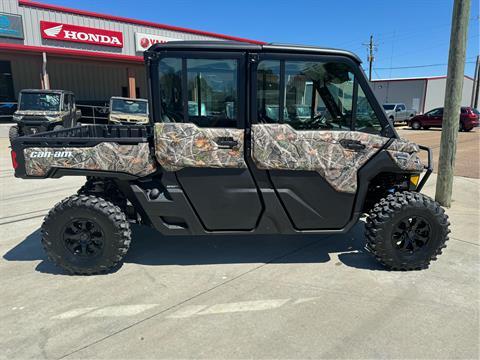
(128, 111)
(398, 112)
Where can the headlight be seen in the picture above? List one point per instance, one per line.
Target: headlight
(414, 179)
(53, 118)
(17, 117)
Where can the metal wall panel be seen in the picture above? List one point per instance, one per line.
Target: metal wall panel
(32, 17)
(436, 93)
(409, 92)
(26, 70)
(91, 80)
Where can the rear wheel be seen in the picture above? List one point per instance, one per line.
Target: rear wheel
(463, 127)
(406, 231)
(415, 125)
(58, 127)
(13, 132)
(85, 234)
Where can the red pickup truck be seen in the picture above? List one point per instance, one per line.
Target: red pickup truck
(469, 118)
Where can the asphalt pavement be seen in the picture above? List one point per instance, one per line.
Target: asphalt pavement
(467, 162)
(234, 297)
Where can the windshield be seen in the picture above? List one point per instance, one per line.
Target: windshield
(129, 106)
(39, 102)
(388, 107)
(303, 111)
(475, 111)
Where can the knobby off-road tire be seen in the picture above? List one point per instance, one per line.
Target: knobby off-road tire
(86, 234)
(406, 230)
(109, 192)
(13, 132)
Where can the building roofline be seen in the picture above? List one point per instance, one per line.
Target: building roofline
(417, 78)
(70, 52)
(411, 78)
(132, 21)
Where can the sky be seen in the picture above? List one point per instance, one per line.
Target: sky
(412, 36)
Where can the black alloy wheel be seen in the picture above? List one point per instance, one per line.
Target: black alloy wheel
(83, 238)
(411, 234)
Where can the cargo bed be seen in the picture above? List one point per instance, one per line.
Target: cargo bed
(88, 150)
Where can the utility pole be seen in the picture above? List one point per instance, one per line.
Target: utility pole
(476, 84)
(371, 48)
(453, 98)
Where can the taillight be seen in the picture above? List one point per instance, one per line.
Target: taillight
(14, 159)
(473, 116)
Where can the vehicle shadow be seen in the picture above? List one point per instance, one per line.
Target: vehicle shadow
(150, 248)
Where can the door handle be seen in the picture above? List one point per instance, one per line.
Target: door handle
(352, 144)
(226, 142)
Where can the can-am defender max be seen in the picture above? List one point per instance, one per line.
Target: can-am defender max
(44, 110)
(245, 162)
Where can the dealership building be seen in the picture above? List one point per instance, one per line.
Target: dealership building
(94, 55)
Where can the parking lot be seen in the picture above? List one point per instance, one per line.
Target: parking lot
(239, 297)
(468, 148)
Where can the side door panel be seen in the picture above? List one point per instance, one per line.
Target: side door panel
(182, 145)
(313, 173)
(209, 162)
(312, 156)
(214, 177)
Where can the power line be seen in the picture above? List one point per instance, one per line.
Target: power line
(417, 66)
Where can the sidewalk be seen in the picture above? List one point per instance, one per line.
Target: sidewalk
(465, 210)
(234, 297)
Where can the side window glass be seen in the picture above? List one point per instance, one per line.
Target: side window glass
(366, 119)
(212, 92)
(170, 79)
(268, 91)
(318, 96)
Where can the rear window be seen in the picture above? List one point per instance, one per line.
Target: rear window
(476, 112)
(388, 107)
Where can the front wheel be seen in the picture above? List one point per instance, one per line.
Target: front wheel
(86, 234)
(406, 231)
(58, 127)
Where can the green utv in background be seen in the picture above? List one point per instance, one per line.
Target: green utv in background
(243, 139)
(44, 110)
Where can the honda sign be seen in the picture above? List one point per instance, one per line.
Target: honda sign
(81, 34)
(144, 41)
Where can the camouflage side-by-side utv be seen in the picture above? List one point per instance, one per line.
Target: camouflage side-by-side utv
(44, 110)
(283, 140)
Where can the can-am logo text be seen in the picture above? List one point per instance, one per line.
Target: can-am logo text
(50, 154)
(73, 33)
